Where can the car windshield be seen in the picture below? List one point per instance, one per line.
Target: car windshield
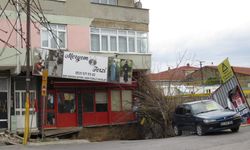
(205, 106)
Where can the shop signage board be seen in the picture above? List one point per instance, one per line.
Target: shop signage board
(72, 65)
(225, 70)
(230, 94)
(85, 67)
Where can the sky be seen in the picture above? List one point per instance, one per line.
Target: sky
(194, 31)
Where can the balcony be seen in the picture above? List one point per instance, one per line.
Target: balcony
(119, 13)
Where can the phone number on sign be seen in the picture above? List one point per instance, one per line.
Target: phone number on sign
(84, 73)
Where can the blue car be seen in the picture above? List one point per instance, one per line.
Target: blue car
(203, 117)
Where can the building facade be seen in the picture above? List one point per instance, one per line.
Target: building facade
(116, 29)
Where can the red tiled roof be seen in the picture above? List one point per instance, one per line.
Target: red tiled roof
(239, 70)
(172, 74)
(242, 70)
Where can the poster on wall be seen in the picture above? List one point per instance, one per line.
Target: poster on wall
(48, 59)
(120, 70)
(238, 101)
(126, 71)
(113, 70)
(85, 67)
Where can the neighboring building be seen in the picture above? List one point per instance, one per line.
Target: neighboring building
(171, 81)
(197, 80)
(111, 28)
(210, 76)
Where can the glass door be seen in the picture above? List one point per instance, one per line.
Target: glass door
(3, 110)
(50, 110)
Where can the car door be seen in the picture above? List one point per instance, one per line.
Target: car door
(188, 118)
(179, 116)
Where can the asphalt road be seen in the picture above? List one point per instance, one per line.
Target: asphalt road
(217, 141)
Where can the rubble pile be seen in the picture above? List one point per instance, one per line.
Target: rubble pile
(10, 138)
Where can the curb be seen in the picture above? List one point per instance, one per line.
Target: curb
(58, 142)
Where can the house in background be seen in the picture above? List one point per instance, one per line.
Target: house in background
(111, 28)
(192, 80)
(171, 81)
(210, 77)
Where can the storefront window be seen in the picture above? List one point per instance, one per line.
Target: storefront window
(127, 100)
(101, 102)
(88, 102)
(115, 100)
(66, 102)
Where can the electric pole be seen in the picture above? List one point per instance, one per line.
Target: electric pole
(27, 103)
(202, 82)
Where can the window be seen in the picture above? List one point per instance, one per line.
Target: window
(104, 42)
(66, 102)
(116, 100)
(88, 102)
(101, 101)
(109, 2)
(20, 99)
(179, 110)
(113, 43)
(127, 100)
(53, 37)
(123, 41)
(142, 42)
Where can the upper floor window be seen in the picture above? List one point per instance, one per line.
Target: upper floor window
(53, 37)
(109, 2)
(124, 41)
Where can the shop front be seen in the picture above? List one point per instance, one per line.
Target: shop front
(3, 103)
(18, 92)
(83, 104)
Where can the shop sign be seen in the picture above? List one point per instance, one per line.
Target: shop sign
(225, 71)
(85, 67)
(72, 65)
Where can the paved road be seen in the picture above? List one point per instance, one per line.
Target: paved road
(219, 141)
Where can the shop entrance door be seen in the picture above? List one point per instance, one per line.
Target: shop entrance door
(67, 109)
(3, 110)
(50, 110)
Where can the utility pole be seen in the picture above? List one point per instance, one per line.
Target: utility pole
(202, 80)
(27, 103)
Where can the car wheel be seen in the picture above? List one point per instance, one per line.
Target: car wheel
(177, 131)
(235, 129)
(199, 130)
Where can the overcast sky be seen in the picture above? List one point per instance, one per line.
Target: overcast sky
(201, 30)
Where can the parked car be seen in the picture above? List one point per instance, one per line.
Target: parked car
(203, 117)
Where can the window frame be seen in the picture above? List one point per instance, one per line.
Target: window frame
(21, 109)
(50, 37)
(106, 3)
(117, 33)
(107, 101)
(64, 111)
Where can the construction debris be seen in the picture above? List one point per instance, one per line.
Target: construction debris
(10, 138)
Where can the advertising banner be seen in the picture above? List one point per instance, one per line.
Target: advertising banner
(238, 101)
(120, 70)
(51, 60)
(66, 64)
(85, 67)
